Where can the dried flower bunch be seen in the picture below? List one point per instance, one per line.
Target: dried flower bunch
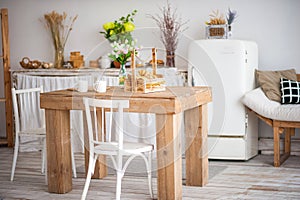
(120, 30)
(231, 16)
(216, 18)
(170, 26)
(59, 27)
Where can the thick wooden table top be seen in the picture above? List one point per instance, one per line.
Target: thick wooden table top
(173, 100)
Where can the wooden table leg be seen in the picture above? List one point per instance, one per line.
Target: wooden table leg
(196, 154)
(59, 166)
(100, 166)
(169, 161)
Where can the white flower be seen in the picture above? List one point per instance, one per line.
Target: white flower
(122, 51)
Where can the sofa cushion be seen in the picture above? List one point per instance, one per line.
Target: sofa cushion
(257, 101)
(269, 81)
(290, 91)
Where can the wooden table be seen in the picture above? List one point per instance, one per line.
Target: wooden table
(167, 105)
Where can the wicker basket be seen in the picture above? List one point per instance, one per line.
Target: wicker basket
(217, 31)
(145, 85)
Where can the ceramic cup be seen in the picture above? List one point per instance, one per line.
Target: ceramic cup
(100, 86)
(82, 86)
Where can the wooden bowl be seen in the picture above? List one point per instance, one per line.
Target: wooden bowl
(26, 63)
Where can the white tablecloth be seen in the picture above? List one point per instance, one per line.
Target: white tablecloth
(138, 127)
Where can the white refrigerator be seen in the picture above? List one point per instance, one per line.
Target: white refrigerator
(227, 66)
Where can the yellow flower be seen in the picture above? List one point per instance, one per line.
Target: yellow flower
(108, 25)
(111, 32)
(119, 30)
(129, 26)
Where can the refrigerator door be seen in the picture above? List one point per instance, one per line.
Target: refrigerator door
(221, 64)
(228, 67)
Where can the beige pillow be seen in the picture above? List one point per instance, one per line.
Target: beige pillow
(269, 81)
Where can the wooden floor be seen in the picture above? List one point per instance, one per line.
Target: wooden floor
(253, 179)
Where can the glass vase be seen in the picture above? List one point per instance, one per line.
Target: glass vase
(122, 74)
(170, 58)
(229, 31)
(59, 58)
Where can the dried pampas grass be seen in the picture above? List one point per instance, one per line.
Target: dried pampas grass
(60, 27)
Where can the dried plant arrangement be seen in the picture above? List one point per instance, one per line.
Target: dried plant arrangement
(60, 28)
(216, 18)
(216, 26)
(231, 16)
(171, 26)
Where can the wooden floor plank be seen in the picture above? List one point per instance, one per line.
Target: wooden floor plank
(253, 179)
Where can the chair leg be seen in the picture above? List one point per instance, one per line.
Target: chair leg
(120, 173)
(276, 146)
(118, 184)
(91, 167)
(149, 170)
(45, 162)
(73, 162)
(16, 151)
(43, 155)
(287, 140)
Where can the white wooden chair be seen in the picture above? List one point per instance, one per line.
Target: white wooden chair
(26, 108)
(101, 140)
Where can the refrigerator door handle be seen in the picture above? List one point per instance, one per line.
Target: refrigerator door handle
(246, 120)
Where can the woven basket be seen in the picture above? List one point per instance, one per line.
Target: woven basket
(217, 31)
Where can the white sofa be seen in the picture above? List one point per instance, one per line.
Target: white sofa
(282, 118)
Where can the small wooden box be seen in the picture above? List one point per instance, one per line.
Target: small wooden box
(76, 59)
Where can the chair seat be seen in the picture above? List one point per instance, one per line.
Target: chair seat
(111, 148)
(39, 132)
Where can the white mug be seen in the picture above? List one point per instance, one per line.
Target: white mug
(82, 86)
(100, 86)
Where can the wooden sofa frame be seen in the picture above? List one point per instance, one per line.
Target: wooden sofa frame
(280, 127)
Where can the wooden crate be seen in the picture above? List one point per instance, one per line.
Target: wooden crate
(144, 85)
(217, 31)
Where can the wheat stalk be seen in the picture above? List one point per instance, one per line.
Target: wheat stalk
(59, 28)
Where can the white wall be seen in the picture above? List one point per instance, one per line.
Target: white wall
(271, 23)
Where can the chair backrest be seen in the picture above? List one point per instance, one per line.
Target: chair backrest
(26, 107)
(98, 124)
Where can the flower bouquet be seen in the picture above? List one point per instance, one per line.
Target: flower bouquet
(121, 53)
(120, 30)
